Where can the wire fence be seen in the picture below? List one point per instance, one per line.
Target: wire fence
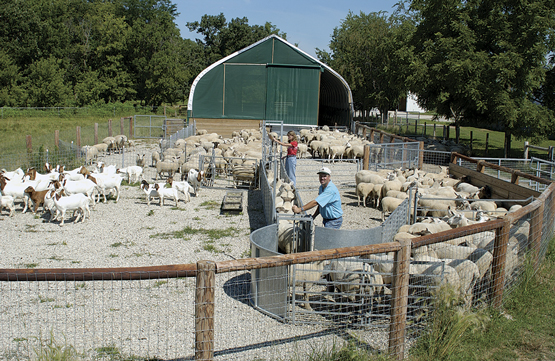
(377, 295)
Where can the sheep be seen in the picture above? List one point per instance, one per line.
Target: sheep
(350, 280)
(466, 187)
(76, 201)
(306, 275)
(376, 195)
(7, 202)
(156, 157)
(166, 167)
(364, 190)
(101, 148)
(389, 204)
(90, 153)
(141, 162)
(183, 186)
(367, 176)
(120, 141)
(111, 143)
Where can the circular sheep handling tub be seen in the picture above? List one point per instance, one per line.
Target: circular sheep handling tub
(350, 290)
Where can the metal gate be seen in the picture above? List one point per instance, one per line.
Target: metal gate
(148, 126)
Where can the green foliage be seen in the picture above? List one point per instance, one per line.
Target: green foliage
(480, 62)
(51, 350)
(368, 50)
(448, 322)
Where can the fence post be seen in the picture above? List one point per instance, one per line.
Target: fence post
(526, 149)
(366, 157)
(78, 137)
(57, 139)
(421, 155)
(487, 143)
(204, 310)
(121, 126)
(29, 144)
(399, 300)
(536, 225)
(109, 127)
(416, 127)
(499, 258)
(471, 136)
(131, 130)
(95, 133)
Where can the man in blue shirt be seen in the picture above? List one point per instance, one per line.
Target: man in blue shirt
(328, 201)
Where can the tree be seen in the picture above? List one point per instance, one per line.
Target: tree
(368, 50)
(222, 38)
(480, 62)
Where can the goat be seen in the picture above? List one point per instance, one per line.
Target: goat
(183, 186)
(37, 197)
(76, 201)
(7, 202)
(195, 177)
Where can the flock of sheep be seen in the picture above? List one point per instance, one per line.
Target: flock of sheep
(443, 203)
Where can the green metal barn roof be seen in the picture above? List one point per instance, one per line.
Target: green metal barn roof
(271, 80)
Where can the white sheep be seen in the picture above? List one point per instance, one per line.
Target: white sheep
(306, 275)
(363, 191)
(141, 162)
(389, 204)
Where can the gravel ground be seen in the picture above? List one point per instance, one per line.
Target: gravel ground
(131, 233)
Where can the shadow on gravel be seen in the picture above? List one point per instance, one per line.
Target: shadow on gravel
(255, 209)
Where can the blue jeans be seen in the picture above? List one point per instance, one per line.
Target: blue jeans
(290, 168)
(334, 223)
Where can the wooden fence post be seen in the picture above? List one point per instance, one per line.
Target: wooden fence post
(110, 127)
(78, 137)
(536, 225)
(28, 144)
(421, 155)
(399, 300)
(131, 129)
(499, 259)
(57, 139)
(95, 133)
(487, 143)
(471, 136)
(435, 130)
(526, 149)
(204, 310)
(366, 157)
(121, 126)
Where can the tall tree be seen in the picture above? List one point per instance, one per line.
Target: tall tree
(368, 50)
(479, 62)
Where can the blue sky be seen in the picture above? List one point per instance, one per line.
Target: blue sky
(306, 23)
